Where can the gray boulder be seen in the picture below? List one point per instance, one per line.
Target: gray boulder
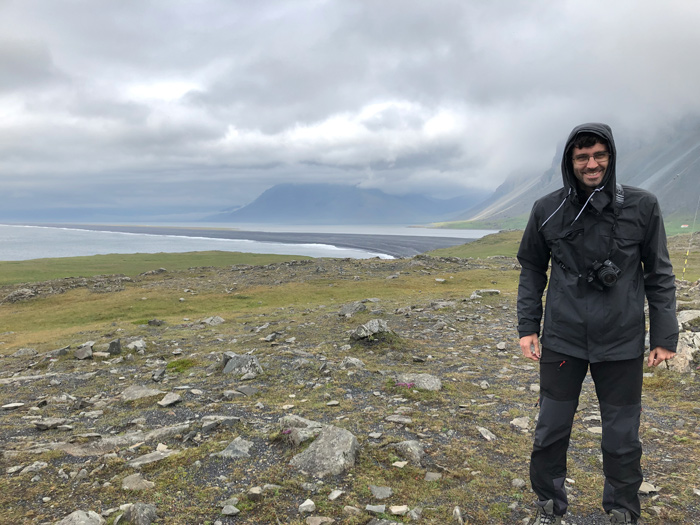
(333, 452)
(420, 381)
(115, 347)
(241, 364)
(80, 517)
(370, 329)
(411, 451)
(351, 309)
(140, 514)
(689, 320)
(238, 448)
(299, 429)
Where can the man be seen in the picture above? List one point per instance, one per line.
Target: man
(607, 247)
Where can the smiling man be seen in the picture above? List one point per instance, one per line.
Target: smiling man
(607, 247)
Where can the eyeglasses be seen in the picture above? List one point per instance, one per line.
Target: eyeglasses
(598, 156)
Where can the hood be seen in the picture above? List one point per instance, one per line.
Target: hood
(608, 184)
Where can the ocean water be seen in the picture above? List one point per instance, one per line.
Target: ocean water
(21, 243)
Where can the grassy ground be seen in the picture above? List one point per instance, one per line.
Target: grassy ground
(456, 339)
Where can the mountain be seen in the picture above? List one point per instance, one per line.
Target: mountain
(668, 166)
(339, 204)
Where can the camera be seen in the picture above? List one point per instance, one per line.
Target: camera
(603, 275)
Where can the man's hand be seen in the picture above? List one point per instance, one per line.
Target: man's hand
(657, 356)
(530, 346)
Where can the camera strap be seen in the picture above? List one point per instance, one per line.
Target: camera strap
(619, 201)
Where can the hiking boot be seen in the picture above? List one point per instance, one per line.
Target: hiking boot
(618, 516)
(545, 514)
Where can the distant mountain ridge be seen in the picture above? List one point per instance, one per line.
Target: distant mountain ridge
(668, 166)
(340, 204)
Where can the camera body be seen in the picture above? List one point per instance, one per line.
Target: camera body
(603, 275)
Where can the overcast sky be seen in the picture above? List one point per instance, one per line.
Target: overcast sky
(205, 104)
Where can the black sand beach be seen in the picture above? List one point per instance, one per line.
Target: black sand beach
(394, 245)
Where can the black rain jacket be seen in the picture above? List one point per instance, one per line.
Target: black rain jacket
(573, 232)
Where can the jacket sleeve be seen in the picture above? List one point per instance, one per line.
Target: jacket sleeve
(533, 256)
(659, 284)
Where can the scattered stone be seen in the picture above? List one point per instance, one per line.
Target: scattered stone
(370, 329)
(351, 309)
(213, 321)
(381, 492)
(399, 510)
(647, 488)
(138, 345)
(140, 514)
(420, 381)
(410, 450)
(115, 347)
(402, 420)
(486, 434)
(331, 453)
(596, 430)
(241, 364)
(307, 507)
(25, 352)
(432, 476)
(12, 406)
(135, 392)
(376, 509)
(230, 510)
(255, 494)
(351, 362)
(238, 448)
(457, 516)
(518, 483)
(49, 423)
(80, 517)
(521, 423)
(170, 399)
(83, 352)
(318, 520)
(136, 482)
(335, 494)
(152, 457)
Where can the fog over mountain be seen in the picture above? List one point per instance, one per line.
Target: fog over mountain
(668, 166)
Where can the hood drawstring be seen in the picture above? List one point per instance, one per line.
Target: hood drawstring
(555, 211)
(587, 201)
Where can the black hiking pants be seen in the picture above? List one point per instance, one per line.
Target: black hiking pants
(618, 385)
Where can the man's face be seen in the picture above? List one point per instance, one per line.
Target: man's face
(590, 173)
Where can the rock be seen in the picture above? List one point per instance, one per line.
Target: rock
(421, 381)
(82, 353)
(299, 429)
(396, 418)
(381, 492)
(501, 346)
(25, 352)
(115, 347)
(351, 362)
(349, 510)
(411, 450)
(140, 514)
(12, 406)
(80, 517)
(647, 488)
(255, 494)
(376, 509)
(432, 476)
(170, 399)
(518, 483)
(486, 434)
(335, 494)
(457, 516)
(241, 364)
(370, 329)
(138, 345)
(147, 459)
(380, 522)
(230, 510)
(137, 483)
(318, 520)
(331, 453)
(307, 507)
(213, 321)
(50, 422)
(135, 392)
(521, 423)
(351, 309)
(238, 448)
(689, 320)
(399, 510)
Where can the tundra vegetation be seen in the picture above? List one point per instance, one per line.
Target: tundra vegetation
(81, 336)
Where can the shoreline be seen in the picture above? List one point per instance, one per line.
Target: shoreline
(394, 245)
